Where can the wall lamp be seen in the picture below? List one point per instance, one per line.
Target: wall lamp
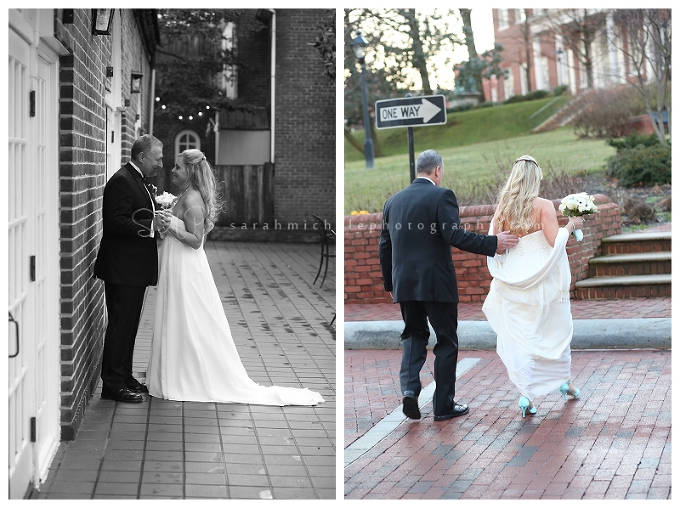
(101, 21)
(136, 82)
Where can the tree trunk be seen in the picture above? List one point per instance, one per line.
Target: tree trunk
(527, 48)
(419, 60)
(352, 140)
(472, 50)
(377, 150)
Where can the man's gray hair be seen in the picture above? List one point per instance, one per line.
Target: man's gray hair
(143, 144)
(427, 161)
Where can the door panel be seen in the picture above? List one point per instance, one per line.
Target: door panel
(21, 297)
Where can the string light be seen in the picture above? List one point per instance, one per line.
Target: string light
(181, 117)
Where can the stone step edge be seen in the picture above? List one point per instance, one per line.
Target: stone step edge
(626, 280)
(637, 237)
(639, 257)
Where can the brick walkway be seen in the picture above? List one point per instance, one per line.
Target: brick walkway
(580, 309)
(613, 442)
(162, 449)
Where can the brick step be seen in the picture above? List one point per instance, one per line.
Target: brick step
(631, 243)
(644, 263)
(630, 286)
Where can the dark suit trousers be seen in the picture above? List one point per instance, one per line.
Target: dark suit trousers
(443, 317)
(124, 306)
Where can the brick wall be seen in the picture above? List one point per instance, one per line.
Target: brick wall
(305, 122)
(82, 170)
(82, 177)
(363, 278)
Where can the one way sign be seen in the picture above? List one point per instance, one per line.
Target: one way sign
(410, 112)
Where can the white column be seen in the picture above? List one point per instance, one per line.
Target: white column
(536, 68)
(616, 74)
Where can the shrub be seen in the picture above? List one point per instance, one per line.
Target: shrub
(638, 211)
(633, 140)
(605, 112)
(531, 96)
(536, 94)
(665, 204)
(559, 90)
(641, 165)
(463, 107)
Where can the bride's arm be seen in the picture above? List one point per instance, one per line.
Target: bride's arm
(549, 221)
(193, 215)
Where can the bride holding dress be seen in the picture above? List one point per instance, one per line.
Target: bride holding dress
(528, 303)
(193, 356)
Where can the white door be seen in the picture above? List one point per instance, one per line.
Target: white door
(21, 297)
(33, 241)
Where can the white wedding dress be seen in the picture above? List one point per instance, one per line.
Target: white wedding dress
(528, 307)
(193, 356)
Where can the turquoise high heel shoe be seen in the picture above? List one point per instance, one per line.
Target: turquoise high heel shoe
(524, 404)
(566, 390)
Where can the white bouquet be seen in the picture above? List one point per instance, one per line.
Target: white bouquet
(577, 205)
(166, 200)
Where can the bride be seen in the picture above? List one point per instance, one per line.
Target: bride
(193, 356)
(528, 303)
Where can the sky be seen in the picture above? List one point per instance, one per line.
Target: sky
(482, 27)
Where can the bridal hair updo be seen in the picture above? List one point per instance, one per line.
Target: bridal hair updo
(515, 199)
(201, 178)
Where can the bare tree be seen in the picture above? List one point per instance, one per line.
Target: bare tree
(644, 37)
(396, 59)
(578, 28)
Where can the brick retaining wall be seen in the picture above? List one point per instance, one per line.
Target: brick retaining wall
(363, 279)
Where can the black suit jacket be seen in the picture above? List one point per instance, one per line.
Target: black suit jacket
(420, 224)
(127, 254)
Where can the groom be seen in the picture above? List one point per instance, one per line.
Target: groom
(127, 262)
(420, 224)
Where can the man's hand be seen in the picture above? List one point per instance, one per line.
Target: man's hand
(506, 240)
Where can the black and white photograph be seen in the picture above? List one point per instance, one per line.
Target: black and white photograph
(171, 253)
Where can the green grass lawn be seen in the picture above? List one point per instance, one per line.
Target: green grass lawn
(465, 166)
(462, 128)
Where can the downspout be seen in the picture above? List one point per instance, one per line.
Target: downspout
(273, 85)
(152, 100)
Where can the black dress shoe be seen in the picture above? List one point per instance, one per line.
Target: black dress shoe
(411, 405)
(121, 395)
(137, 387)
(458, 410)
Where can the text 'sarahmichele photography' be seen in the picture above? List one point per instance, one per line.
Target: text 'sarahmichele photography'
(507, 253)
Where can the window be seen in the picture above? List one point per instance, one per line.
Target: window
(520, 16)
(502, 19)
(186, 140)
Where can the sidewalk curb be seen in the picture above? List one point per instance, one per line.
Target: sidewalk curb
(648, 333)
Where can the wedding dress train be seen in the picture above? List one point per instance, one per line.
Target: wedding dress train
(528, 307)
(193, 356)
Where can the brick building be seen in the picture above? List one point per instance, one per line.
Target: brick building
(530, 35)
(274, 149)
(80, 93)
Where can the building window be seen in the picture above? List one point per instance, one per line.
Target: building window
(186, 140)
(520, 16)
(502, 19)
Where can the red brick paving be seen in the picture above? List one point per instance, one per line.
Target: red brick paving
(580, 309)
(612, 443)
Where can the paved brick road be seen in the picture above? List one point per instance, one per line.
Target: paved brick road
(613, 442)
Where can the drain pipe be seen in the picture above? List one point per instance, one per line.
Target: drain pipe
(152, 100)
(273, 86)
